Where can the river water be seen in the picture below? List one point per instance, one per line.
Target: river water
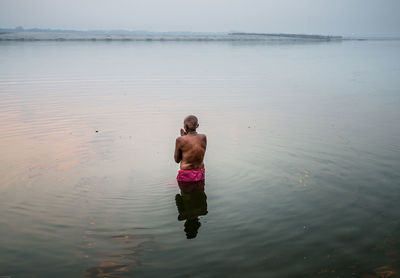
(302, 164)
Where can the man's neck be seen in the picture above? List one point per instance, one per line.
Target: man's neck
(192, 132)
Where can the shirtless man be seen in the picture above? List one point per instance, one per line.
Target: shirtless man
(190, 148)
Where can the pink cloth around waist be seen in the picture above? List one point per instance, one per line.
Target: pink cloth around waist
(191, 175)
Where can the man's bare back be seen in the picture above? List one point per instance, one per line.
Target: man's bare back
(190, 147)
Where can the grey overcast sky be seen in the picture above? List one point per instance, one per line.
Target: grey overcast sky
(342, 17)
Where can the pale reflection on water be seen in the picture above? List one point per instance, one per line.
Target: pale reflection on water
(303, 159)
(116, 264)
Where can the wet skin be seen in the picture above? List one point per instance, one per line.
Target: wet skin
(190, 150)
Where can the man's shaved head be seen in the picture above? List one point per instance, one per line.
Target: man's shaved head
(191, 123)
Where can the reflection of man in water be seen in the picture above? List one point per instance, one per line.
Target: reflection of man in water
(191, 203)
(190, 149)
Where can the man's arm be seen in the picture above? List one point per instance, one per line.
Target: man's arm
(178, 152)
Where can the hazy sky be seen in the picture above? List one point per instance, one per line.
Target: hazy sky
(342, 17)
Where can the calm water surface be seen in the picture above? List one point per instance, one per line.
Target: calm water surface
(303, 161)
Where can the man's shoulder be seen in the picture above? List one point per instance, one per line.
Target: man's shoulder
(202, 136)
(189, 138)
(179, 139)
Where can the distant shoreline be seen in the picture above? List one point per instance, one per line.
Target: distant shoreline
(294, 36)
(113, 36)
(35, 34)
